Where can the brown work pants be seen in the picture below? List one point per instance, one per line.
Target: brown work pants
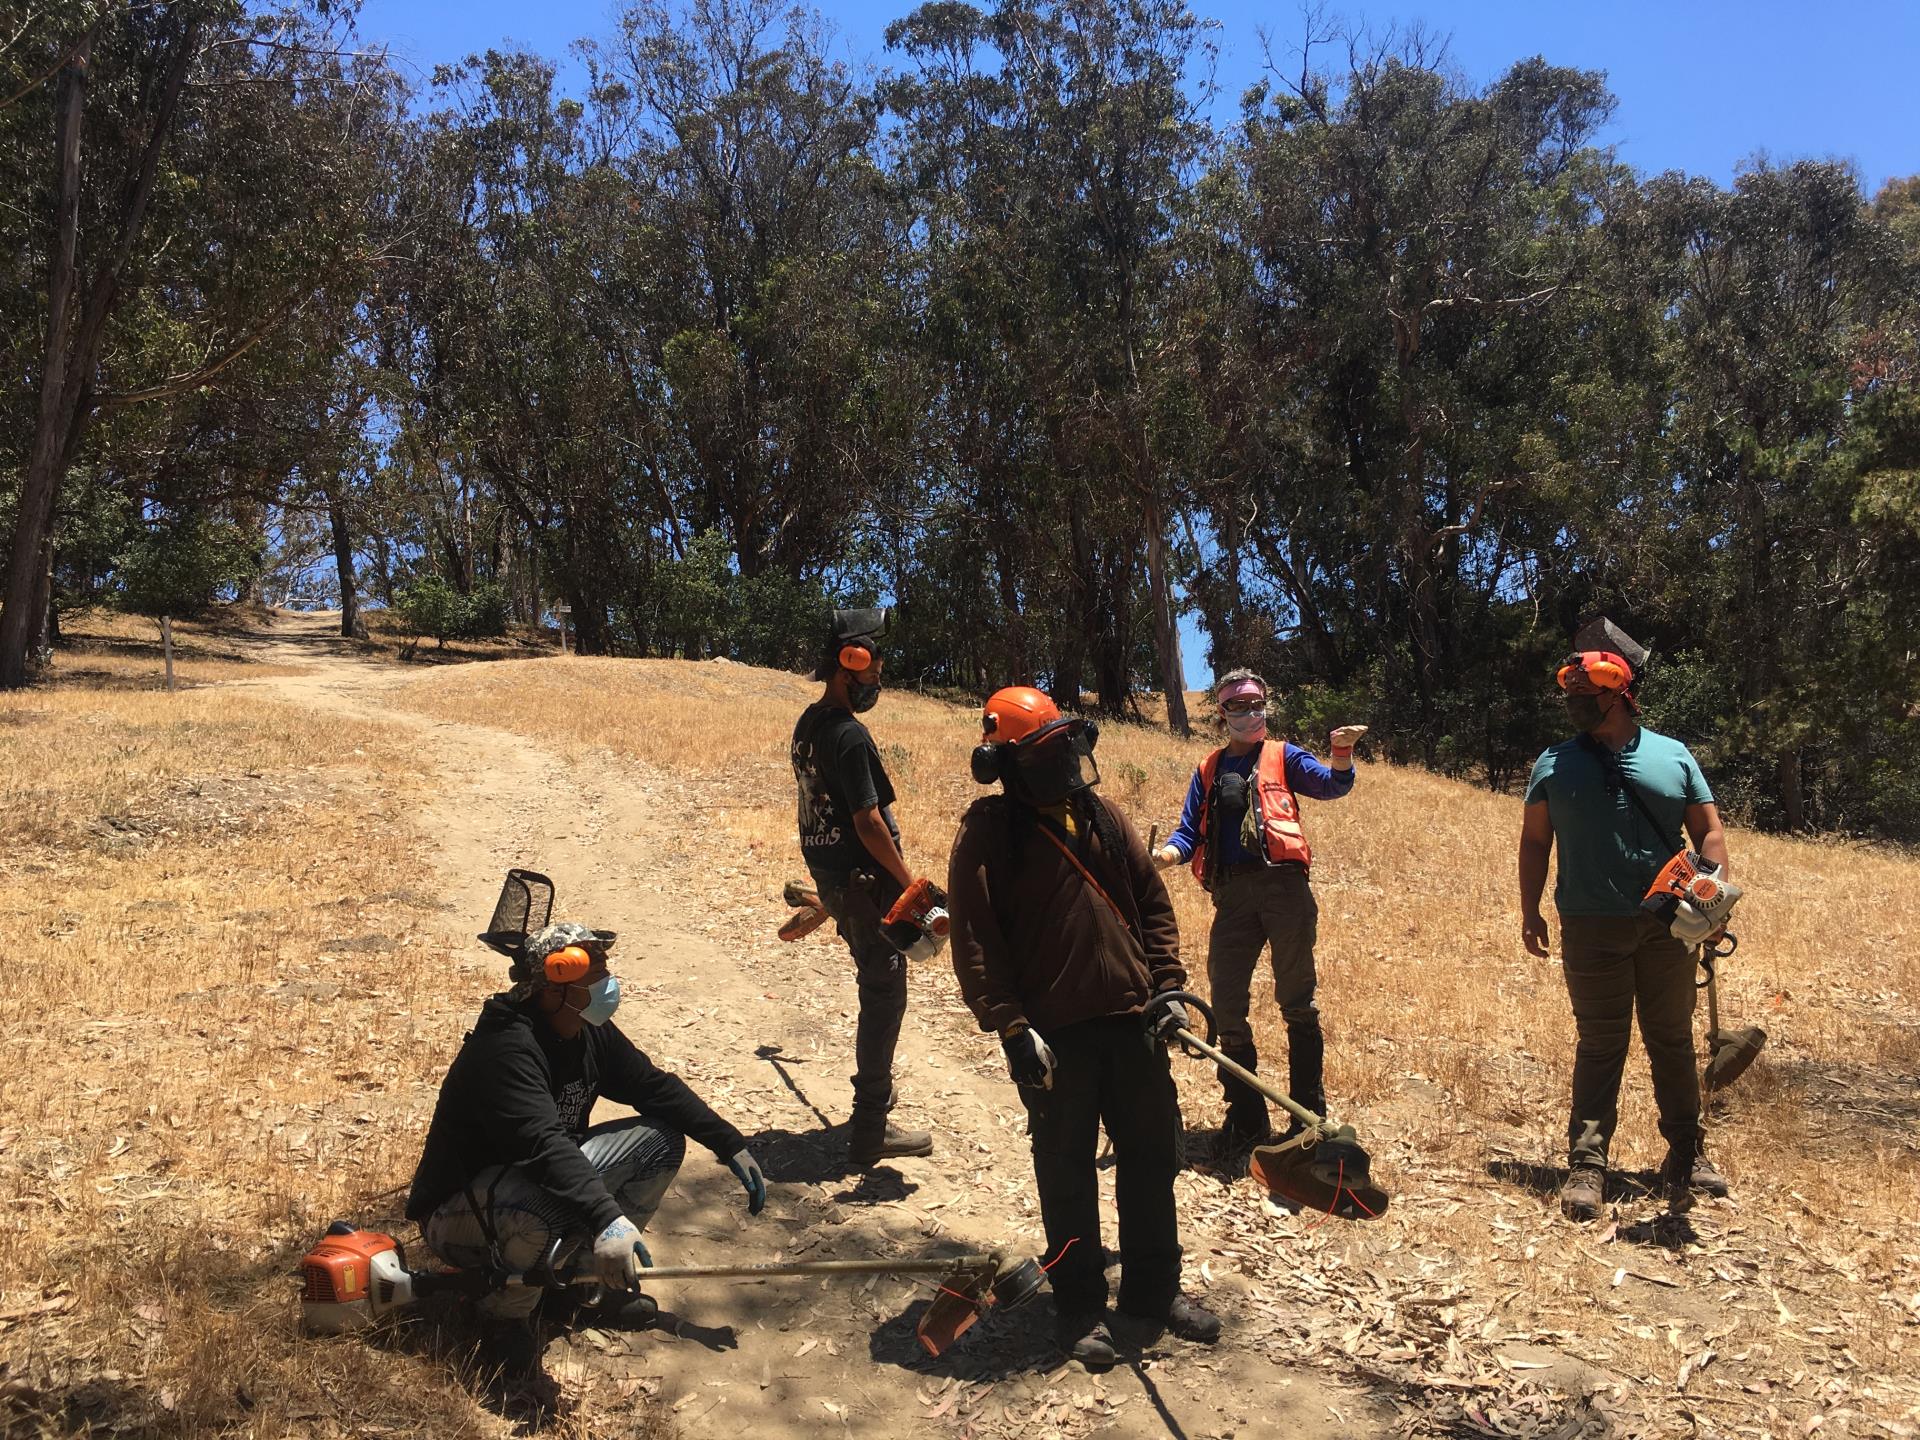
(1251, 911)
(1617, 966)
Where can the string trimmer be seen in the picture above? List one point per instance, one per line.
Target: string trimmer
(354, 1279)
(1322, 1167)
(1729, 1052)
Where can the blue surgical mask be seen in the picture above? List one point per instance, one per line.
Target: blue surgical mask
(603, 998)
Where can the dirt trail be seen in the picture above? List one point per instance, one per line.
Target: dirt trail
(764, 1032)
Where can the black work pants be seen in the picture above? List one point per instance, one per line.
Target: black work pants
(858, 904)
(1111, 1072)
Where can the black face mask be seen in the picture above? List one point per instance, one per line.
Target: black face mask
(1585, 712)
(862, 698)
(1045, 775)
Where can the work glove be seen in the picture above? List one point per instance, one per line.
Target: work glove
(1166, 855)
(1164, 1016)
(1029, 1058)
(618, 1255)
(747, 1170)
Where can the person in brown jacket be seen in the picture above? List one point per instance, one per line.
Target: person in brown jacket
(1062, 936)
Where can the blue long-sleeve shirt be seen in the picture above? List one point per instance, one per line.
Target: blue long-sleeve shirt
(1305, 776)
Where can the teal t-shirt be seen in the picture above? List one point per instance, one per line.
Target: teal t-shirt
(1609, 854)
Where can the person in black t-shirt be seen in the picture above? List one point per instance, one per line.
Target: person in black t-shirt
(510, 1161)
(852, 847)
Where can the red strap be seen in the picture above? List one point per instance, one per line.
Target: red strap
(1098, 888)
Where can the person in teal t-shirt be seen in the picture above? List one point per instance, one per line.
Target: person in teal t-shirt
(1618, 959)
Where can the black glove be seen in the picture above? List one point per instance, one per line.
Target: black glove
(1164, 1015)
(1029, 1058)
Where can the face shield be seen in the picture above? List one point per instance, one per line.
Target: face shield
(1053, 764)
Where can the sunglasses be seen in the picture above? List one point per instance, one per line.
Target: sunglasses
(1243, 707)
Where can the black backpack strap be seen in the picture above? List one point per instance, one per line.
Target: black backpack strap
(1610, 763)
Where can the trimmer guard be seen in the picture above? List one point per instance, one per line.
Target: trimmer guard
(1323, 1169)
(1732, 1051)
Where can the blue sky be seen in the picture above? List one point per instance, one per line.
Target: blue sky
(1702, 87)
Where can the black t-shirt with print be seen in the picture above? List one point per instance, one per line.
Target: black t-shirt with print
(837, 768)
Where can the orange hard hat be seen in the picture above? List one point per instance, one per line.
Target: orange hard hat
(1015, 713)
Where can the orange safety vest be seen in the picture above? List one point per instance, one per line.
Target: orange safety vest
(1274, 805)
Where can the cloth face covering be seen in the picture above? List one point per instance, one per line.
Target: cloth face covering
(1585, 712)
(1046, 774)
(1250, 726)
(863, 697)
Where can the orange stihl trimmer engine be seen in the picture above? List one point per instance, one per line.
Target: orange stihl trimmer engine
(1691, 897)
(918, 923)
(354, 1279)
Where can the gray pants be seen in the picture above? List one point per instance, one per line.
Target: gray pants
(1250, 912)
(1617, 967)
(636, 1159)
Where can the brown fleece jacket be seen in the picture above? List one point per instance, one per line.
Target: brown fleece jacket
(1033, 941)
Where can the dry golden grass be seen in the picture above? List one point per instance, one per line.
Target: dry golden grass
(105, 649)
(1453, 1046)
(212, 1047)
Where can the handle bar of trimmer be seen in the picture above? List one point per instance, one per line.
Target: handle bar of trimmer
(1232, 1067)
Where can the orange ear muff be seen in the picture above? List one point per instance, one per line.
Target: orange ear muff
(566, 965)
(855, 657)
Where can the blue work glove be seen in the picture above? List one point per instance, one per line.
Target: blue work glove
(1029, 1058)
(747, 1170)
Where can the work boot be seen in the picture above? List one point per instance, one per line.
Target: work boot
(1184, 1319)
(1707, 1178)
(1083, 1335)
(1676, 1174)
(621, 1310)
(1584, 1192)
(871, 1144)
(1306, 1069)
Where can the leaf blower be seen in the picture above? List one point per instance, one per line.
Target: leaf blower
(1323, 1168)
(355, 1279)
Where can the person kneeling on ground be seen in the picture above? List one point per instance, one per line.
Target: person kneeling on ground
(510, 1162)
(1062, 935)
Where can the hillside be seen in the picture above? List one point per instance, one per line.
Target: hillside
(244, 916)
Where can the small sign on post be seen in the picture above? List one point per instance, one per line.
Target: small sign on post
(560, 614)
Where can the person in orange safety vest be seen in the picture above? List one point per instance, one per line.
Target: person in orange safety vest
(1241, 830)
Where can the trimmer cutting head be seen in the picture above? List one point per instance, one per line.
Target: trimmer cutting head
(1325, 1169)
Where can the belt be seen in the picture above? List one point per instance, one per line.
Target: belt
(1256, 867)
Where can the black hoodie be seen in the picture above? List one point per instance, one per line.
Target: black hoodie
(518, 1093)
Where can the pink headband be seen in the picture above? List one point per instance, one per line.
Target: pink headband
(1240, 688)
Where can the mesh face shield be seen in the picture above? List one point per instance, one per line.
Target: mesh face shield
(1047, 772)
(525, 905)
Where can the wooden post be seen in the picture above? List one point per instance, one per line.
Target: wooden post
(560, 614)
(166, 641)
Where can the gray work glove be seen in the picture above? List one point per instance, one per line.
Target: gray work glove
(747, 1170)
(1029, 1058)
(618, 1255)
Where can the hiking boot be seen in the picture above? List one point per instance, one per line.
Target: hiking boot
(1677, 1175)
(1184, 1319)
(620, 1310)
(868, 1146)
(1584, 1192)
(1703, 1176)
(1083, 1335)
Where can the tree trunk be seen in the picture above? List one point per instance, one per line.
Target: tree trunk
(343, 564)
(1793, 800)
(41, 483)
(1166, 632)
